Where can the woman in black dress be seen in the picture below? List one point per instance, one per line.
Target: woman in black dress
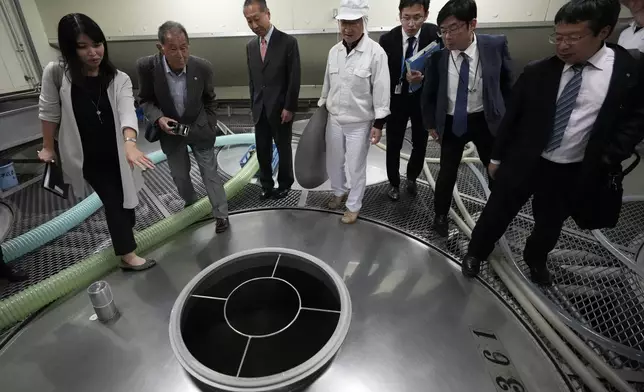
(88, 106)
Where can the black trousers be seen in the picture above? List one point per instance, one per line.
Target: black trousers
(452, 148)
(106, 182)
(403, 108)
(553, 187)
(266, 130)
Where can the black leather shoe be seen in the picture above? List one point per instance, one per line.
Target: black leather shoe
(471, 266)
(266, 194)
(394, 193)
(441, 225)
(221, 225)
(12, 274)
(541, 276)
(412, 188)
(280, 193)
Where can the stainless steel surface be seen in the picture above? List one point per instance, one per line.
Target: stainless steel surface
(413, 316)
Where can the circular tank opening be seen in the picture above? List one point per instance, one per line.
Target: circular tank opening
(260, 320)
(262, 307)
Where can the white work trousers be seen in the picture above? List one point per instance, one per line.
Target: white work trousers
(350, 143)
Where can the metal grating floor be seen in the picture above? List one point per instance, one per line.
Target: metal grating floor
(592, 286)
(89, 237)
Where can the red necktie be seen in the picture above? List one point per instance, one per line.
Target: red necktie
(263, 48)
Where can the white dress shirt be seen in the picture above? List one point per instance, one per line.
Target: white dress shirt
(631, 39)
(356, 85)
(178, 86)
(475, 98)
(267, 37)
(594, 88)
(405, 37)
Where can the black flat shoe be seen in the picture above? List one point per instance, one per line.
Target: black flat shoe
(394, 193)
(541, 276)
(12, 274)
(266, 194)
(412, 188)
(147, 265)
(441, 225)
(280, 193)
(221, 225)
(471, 266)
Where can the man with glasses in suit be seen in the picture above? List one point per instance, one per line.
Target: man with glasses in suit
(467, 87)
(572, 120)
(401, 43)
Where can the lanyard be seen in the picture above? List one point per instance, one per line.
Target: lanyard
(402, 67)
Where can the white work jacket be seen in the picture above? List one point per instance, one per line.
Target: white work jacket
(356, 85)
(631, 39)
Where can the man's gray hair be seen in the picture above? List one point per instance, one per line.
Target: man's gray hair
(169, 27)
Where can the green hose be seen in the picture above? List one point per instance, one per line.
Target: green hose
(20, 305)
(49, 231)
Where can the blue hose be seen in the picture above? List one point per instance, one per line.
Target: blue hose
(47, 232)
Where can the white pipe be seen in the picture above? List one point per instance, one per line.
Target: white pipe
(529, 306)
(457, 219)
(577, 366)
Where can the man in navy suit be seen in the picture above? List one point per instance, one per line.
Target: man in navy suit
(465, 92)
(401, 43)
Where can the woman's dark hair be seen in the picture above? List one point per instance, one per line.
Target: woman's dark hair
(463, 10)
(598, 13)
(71, 27)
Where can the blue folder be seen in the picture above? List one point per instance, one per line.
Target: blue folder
(417, 62)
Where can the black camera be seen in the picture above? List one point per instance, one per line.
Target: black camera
(179, 129)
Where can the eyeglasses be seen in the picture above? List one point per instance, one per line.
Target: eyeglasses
(451, 30)
(412, 19)
(557, 39)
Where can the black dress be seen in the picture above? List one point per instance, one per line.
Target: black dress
(95, 120)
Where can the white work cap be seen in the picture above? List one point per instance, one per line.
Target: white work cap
(353, 9)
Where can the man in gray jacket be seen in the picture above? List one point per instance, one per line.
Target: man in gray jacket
(176, 88)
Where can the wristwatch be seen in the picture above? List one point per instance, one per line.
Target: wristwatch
(130, 139)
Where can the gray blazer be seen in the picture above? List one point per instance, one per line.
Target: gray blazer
(497, 83)
(155, 100)
(55, 105)
(274, 83)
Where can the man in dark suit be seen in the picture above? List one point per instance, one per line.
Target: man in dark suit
(274, 71)
(466, 89)
(177, 88)
(572, 120)
(401, 43)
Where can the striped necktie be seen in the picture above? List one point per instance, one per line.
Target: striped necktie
(565, 106)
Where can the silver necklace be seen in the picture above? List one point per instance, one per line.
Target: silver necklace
(97, 104)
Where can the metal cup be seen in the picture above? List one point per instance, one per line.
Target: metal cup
(100, 295)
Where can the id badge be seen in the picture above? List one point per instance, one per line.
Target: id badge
(398, 89)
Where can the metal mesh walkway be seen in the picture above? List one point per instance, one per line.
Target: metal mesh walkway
(601, 297)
